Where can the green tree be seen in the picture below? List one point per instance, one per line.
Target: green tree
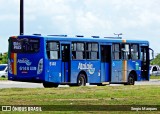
(4, 58)
(156, 61)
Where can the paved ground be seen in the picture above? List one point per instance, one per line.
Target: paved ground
(151, 82)
(12, 84)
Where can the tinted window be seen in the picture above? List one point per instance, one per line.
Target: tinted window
(125, 51)
(24, 45)
(134, 52)
(116, 51)
(80, 46)
(53, 51)
(92, 51)
(94, 47)
(78, 50)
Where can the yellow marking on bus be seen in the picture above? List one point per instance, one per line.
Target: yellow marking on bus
(14, 36)
(124, 71)
(124, 40)
(15, 64)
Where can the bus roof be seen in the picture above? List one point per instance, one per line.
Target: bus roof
(86, 39)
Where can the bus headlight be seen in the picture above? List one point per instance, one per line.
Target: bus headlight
(40, 66)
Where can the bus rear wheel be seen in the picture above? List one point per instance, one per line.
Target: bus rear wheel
(49, 85)
(131, 79)
(81, 80)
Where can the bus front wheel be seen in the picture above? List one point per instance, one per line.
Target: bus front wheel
(131, 79)
(49, 85)
(81, 80)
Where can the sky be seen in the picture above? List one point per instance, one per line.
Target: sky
(135, 19)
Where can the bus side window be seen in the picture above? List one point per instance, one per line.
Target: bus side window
(92, 51)
(134, 52)
(73, 50)
(79, 55)
(53, 51)
(116, 51)
(88, 50)
(78, 50)
(53, 55)
(125, 52)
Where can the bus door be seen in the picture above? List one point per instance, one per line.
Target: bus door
(145, 62)
(65, 51)
(105, 63)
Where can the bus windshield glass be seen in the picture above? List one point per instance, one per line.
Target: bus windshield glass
(24, 45)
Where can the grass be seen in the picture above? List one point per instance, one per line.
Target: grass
(85, 96)
(154, 77)
(2, 79)
(106, 95)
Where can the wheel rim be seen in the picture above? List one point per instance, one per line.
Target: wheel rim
(131, 80)
(81, 81)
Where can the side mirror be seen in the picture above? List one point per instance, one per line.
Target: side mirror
(151, 54)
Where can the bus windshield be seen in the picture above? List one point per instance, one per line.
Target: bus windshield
(24, 45)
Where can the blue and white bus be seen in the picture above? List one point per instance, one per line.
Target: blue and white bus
(58, 59)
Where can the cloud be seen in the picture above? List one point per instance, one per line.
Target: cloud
(134, 18)
(8, 10)
(46, 7)
(93, 13)
(8, 17)
(127, 13)
(137, 13)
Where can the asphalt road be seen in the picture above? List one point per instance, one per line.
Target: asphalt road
(13, 84)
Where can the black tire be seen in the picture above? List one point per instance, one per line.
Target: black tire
(81, 81)
(131, 80)
(49, 85)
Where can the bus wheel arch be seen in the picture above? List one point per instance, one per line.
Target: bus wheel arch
(132, 77)
(82, 79)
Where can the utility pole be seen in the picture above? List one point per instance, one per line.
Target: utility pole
(21, 18)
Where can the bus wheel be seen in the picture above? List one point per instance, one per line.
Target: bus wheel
(49, 85)
(131, 79)
(81, 80)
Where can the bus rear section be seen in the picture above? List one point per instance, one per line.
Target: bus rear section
(25, 60)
